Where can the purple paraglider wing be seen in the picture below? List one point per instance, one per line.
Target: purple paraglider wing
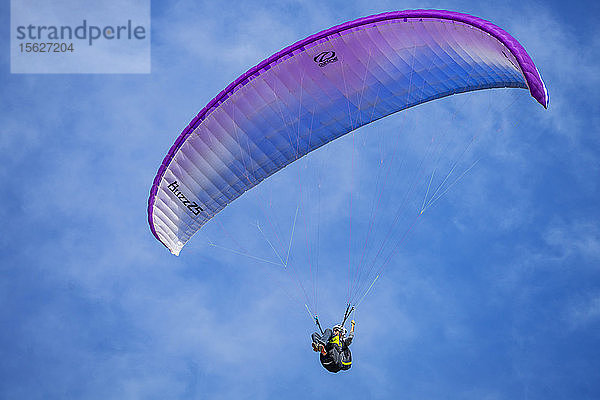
(319, 89)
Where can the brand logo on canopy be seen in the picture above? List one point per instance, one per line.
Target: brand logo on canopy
(326, 57)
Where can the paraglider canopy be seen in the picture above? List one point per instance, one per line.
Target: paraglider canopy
(319, 89)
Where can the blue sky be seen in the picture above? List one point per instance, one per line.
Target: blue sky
(495, 293)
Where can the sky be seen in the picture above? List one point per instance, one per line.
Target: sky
(493, 294)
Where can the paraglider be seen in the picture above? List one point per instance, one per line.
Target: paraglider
(320, 89)
(333, 346)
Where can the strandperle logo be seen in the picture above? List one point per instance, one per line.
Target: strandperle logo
(85, 31)
(74, 36)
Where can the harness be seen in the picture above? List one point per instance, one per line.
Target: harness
(346, 357)
(344, 352)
